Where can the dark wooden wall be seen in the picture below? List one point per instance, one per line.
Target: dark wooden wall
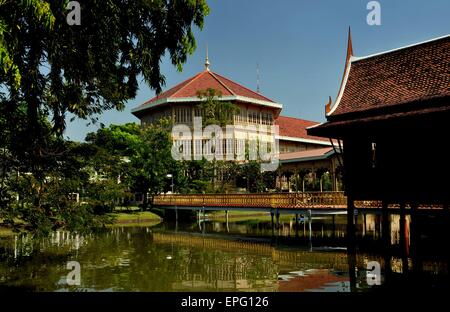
(412, 160)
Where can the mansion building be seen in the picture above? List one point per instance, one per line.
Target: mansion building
(387, 103)
(256, 111)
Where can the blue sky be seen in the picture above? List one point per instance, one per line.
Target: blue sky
(300, 46)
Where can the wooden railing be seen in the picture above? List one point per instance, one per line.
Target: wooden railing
(271, 200)
(306, 200)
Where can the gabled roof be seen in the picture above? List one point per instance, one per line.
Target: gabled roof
(294, 129)
(411, 74)
(187, 90)
(403, 83)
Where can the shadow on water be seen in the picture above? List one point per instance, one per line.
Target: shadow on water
(237, 256)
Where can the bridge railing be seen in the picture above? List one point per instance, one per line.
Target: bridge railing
(272, 200)
(305, 200)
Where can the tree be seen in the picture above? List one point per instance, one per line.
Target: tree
(45, 203)
(153, 160)
(220, 113)
(118, 140)
(105, 193)
(199, 174)
(49, 69)
(58, 68)
(228, 171)
(52, 69)
(111, 149)
(251, 177)
(269, 180)
(216, 112)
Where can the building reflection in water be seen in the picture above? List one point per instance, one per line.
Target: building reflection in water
(238, 256)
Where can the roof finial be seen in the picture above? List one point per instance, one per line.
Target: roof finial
(346, 69)
(349, 44)
(207, 59)
(328, 106)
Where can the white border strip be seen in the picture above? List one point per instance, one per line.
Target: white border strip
(196, 99)
(344, 84)
(293, 139)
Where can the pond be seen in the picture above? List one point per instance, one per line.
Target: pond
(248, 255)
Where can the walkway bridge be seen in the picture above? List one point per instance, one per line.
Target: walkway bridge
(280, 203)
(317, 202)
(324, 201)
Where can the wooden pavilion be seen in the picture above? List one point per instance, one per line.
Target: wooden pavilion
(392, 116)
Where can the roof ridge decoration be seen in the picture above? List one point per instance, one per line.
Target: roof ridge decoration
(328, 105)
(348, 62)
(223, 84)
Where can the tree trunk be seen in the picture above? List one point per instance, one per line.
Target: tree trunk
(144, 201)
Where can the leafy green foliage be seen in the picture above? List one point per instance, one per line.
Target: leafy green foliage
(221, 113)
(153, 160)
(216, 112)
(39, 12)
(199, 174)
(116, 139)
(57, 68)
(48, 203)
(251, 178)
(49, 69)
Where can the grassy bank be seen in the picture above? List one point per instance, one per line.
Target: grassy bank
(127, 218)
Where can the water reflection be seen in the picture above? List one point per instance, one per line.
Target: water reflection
(234, 256)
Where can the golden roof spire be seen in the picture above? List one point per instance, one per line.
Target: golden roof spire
(328, 106)
(349, 44)
(207, 59)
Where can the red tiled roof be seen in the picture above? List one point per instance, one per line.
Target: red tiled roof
(238, 89)
(296, 128)
(319, 152)
(412, 74)
(203, 81)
